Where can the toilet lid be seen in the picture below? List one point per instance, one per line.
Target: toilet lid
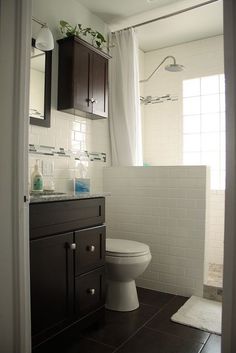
(121, 247)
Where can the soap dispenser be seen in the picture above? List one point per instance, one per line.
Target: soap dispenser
(37, 178)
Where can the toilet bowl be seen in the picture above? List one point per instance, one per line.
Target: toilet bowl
(125, 261)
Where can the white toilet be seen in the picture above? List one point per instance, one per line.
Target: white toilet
(125, 261)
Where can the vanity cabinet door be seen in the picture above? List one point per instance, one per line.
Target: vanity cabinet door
(82, 78)
(90, 249)
(52, 282)
(99, 70)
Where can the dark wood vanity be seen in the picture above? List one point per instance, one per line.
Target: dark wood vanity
(82, 79)
(67, 257)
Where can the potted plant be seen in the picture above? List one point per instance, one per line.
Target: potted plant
(97, 39)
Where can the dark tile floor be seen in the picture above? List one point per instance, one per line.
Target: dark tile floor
(145, 330)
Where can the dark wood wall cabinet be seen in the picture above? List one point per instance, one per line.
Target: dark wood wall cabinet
(82, 79)
(67, 257)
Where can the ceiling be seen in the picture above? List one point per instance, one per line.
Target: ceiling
(202, 22)
(114, 10)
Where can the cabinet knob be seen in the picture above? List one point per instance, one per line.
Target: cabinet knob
(73, 246)
(91, 248)
(91, 291)
(92, 100)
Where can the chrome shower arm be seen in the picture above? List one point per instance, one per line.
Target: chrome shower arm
(167, 57)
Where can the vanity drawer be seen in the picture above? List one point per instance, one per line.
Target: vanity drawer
(90, 249)
(55, 217)
(89, 291)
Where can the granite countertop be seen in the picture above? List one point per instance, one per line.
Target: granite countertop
(52, 197)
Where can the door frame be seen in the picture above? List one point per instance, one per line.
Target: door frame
(229, 277)
(15, 46)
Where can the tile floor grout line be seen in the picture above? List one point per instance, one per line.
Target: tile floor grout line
(160, 309)
(204, 344)
(171, 334)
(103, 344)
(141, 327)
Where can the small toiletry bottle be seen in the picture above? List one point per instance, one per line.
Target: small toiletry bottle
(37, 178)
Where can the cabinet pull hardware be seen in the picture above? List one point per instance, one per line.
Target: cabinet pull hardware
(91, 291)
(92, 100)
(91, 248)
(73, 246)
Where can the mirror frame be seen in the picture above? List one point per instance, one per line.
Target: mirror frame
(46, 122)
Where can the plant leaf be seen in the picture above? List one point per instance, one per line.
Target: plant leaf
(100, 36)
(63, 23)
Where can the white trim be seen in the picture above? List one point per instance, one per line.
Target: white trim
(20, 135)
(15, 44)
(229, 284)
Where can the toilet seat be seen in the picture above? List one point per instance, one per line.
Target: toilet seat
(125, 248)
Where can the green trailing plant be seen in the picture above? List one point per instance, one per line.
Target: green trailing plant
(68, 30)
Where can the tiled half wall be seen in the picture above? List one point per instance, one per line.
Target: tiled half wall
(164, 207)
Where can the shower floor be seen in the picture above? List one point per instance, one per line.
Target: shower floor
(215, 275)
(213, 286)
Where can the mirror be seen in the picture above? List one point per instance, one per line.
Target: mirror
(40, 86)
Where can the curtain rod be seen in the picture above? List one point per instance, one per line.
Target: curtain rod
(171, 14)
(43, 24)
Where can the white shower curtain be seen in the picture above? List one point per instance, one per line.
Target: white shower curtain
(125, 116)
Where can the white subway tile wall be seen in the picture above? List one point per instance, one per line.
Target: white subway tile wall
(71, 133)
(163, 123)
(164, 207)
(216, 227)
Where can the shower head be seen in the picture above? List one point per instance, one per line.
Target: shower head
(174, 67)
(171, 67)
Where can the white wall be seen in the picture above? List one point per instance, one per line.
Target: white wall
(163, 123)
(60, 133)
(165, 208)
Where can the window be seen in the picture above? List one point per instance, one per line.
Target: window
(204, 125)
